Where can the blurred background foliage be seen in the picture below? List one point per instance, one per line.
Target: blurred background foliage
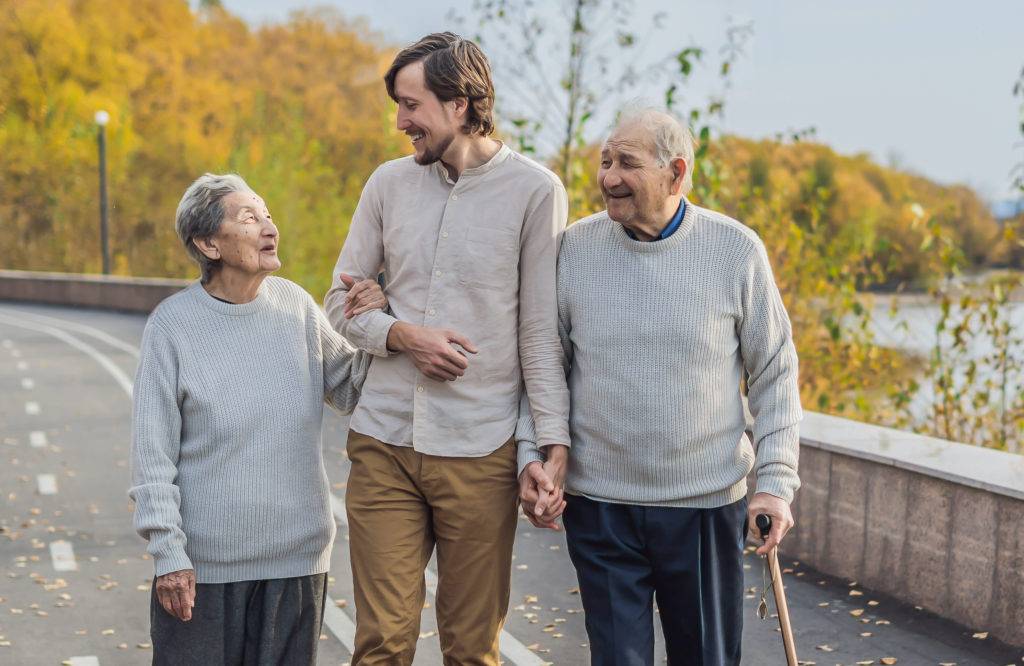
(300, 111)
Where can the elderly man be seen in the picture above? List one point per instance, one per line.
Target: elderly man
(664, 307)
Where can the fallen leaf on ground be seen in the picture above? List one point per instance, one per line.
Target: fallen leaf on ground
(888, 661)
(981, 635)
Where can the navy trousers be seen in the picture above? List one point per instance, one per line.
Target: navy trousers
(689, 560)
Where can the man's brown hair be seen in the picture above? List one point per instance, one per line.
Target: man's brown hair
(453, 67)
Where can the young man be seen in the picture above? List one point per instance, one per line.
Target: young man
(466, 233)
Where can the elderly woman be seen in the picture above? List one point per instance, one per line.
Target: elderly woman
(228, 477)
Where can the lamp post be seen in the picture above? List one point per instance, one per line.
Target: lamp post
(102, 118)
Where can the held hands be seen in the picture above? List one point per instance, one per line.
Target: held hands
(782, 519)
(431, 349)
(542, 488)
(362, 296)
(176, 592)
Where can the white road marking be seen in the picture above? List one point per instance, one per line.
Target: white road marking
(516, 652)
(46, 484)
(63, 556)
(28, 383)
(16, 353)
(22, 365)
(117, 373)
(83, 661)
(340, 625)
(32, 407)
(85, 330)
(37, 438)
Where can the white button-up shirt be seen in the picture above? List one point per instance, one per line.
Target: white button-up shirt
(477, 256)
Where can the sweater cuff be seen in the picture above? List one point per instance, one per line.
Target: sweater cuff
(527, 453)
(779, 480)
(173, 560)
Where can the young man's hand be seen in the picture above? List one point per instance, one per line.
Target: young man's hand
(432, 349)
(542, 488)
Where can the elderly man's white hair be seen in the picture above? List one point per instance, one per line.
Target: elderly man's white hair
(670, 137)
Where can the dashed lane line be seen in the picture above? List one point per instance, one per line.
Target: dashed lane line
(46, 484)
(22, 365)
(83, 661)
(516, 652)
(28, 383)
(38, 440)
(62, 554)
(32, 408)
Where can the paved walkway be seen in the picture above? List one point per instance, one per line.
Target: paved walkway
(74, 580)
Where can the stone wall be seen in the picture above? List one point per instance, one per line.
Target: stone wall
(937, 524)
(89, 291)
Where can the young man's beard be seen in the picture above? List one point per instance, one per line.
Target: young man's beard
(431, 155)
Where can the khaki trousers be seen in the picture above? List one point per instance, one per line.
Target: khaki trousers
(401, 504)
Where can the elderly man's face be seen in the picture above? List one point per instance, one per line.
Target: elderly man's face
(430, 123)
(247, 239)
(634, 185)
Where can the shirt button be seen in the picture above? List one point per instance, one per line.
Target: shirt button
(431, 312)
(455, 197)
(437, 273)
(444, 234)
(419, 389)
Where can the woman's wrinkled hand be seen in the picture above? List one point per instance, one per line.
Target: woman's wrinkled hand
(176, 592)
(362, 296)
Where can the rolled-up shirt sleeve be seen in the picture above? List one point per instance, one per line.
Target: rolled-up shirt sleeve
(156, 442)
(540, 350)
(769, 357)
(362, 257)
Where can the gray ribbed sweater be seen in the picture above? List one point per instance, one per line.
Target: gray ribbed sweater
(227, 466)
(657, 336)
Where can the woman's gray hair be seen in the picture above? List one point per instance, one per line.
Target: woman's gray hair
(201, 212)
(671, 137)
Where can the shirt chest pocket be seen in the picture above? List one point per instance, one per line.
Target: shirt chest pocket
(489, 258)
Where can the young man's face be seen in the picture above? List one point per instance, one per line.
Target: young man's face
(430, 123)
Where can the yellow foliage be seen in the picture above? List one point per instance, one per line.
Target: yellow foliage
(298, 109)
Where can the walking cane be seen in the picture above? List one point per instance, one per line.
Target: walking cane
(764, 524)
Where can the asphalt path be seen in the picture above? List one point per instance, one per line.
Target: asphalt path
(75, 579)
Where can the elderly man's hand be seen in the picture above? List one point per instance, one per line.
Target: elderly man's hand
(362, 296)
(541, 488)
(782, 519)
(176, 592)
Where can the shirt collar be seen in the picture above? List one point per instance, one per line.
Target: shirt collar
(672, 225)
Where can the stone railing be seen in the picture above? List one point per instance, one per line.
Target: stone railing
(90, 291)
(935, 523)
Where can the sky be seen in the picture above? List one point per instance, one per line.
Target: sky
(925, 84)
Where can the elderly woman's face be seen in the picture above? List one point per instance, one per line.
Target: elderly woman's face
(247, 238)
